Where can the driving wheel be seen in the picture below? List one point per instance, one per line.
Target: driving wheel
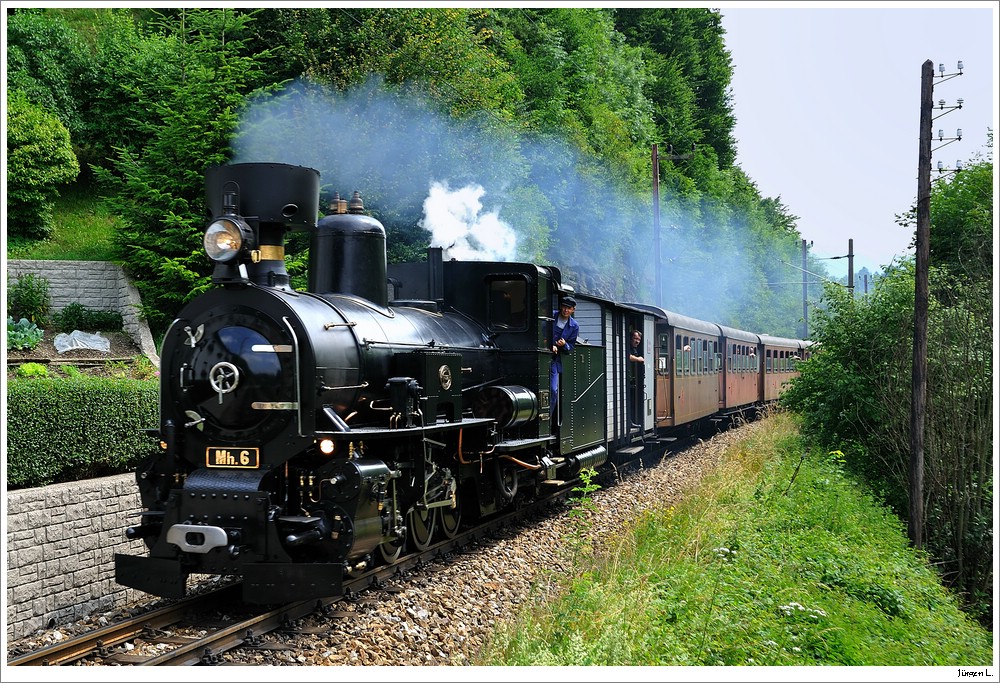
(422, 524)
(451, 518)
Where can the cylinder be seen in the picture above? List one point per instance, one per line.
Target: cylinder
(593, 458)
(508, 405)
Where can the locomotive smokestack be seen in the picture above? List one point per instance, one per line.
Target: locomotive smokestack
(270, 199)
(347, 253)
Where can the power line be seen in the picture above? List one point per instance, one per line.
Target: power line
(809, 272)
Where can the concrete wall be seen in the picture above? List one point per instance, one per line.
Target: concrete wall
(61, 545)
(97, 285)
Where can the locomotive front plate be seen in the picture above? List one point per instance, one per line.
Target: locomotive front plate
(239, 458)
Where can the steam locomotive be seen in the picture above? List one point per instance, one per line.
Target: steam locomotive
(305, 435)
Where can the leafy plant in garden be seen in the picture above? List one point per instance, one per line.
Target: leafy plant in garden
(28, 297)
(29, 370)
(22, 334)
(76, 316)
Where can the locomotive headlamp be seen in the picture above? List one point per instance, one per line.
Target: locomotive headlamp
(327, 446)
(226, 238)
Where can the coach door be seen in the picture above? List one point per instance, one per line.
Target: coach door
(663, 392)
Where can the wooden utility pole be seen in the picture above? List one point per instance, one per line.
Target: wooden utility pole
(920, 304)
(850, 267)
(656, 222)
(656, 207)
(805, 293)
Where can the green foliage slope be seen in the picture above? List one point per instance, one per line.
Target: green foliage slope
(779, 558)
(855, 393)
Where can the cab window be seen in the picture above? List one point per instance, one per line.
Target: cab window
(508, 304)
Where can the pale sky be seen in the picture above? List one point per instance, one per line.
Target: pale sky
(827, 102)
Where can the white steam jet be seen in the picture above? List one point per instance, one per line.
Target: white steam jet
(456, 224)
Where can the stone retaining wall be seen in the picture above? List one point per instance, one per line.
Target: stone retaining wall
(62, 539)
(97, 285)
(61, 545)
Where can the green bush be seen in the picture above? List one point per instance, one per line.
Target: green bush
(39, 159)
(76, 316)
(45, 60)
(22, 334)
(28, 297)
(93, 427)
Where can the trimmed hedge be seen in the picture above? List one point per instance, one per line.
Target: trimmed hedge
(61, 430)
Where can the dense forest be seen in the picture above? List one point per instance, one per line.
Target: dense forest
(504, 133)
(517, 133)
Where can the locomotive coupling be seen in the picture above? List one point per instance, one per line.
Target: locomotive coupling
(197, 538)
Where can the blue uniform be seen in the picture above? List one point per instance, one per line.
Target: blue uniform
(569, 332)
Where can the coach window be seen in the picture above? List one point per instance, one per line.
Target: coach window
(663, 360)
(508, 299)
(767, 360)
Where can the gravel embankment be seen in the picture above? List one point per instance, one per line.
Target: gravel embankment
(443, 614)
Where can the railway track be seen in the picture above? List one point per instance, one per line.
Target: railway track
(189, 632)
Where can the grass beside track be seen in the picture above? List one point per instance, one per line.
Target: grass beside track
(777, 559)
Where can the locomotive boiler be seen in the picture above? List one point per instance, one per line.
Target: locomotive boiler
(307, 434)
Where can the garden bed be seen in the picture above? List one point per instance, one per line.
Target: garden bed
(124, 359)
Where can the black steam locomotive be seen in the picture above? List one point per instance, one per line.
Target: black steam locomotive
(308, 434)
